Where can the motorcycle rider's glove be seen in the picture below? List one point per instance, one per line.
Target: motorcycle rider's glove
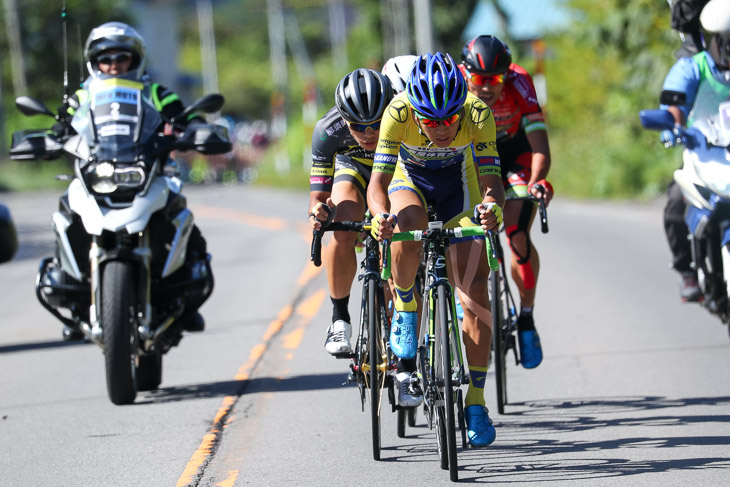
(668, 138)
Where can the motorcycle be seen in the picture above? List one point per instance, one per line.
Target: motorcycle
(704, 180)
(125, 273)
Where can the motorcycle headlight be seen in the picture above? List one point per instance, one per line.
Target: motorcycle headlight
(106, 178)
(101, 178)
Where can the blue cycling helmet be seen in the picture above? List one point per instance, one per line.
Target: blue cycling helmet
(436, 87)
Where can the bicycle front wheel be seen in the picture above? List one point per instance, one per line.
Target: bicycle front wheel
(376, 356)
(444, 380)
(499, 339)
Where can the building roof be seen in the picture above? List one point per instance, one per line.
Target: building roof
(528, 19)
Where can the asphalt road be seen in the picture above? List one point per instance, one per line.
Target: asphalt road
(634, 388)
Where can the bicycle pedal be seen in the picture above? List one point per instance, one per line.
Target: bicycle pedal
(344, 355)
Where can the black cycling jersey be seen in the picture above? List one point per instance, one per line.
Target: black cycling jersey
(332, 141)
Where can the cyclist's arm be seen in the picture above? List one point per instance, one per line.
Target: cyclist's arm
(486, 156)
(325, 142)
(540, 146)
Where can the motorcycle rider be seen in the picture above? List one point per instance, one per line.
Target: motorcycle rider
(115, 49)
(685, 78)
(524, 152)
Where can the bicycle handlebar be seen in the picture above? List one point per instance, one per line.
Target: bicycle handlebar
(542, 208)
(347, 226)
(436, 234)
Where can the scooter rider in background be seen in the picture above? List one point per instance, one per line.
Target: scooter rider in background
(684, 78)
(522, 143)
(116, 50)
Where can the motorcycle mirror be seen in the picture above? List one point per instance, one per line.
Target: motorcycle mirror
(30, 106)
(208, 104)
(656, 119)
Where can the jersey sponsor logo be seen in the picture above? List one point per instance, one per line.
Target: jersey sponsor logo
(385, 144)
(320, 172)
(487, 161)
(482, 146)
(320, 180)
(385, 159)
(480, 112)
(319, 163)
(399, 111)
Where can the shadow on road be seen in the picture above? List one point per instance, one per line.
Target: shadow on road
(535, 431)
(47, 345)
(240, 387)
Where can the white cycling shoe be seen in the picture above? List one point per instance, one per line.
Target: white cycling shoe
(409, 393)
(338, 338)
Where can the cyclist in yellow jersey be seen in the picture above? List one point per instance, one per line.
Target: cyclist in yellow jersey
(433, 138)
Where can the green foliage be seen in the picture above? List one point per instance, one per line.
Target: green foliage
(610, 64)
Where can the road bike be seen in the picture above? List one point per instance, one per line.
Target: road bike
(504, 311)
(439, 356)
(372, 364)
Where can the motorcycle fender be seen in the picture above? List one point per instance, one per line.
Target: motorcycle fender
(183, 223)
(133, 218)
(685, 180)
(60, 224)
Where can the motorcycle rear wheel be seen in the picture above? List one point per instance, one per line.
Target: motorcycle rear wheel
(120, 350)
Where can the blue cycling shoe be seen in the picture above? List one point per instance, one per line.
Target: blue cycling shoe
(479, 427)
(403, 334)
(530, 348)
(459, 309)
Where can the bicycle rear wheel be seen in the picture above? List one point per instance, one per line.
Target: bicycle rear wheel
(499, 340)
(376, 355)
(444, 380)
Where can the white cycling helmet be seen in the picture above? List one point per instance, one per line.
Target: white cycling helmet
(398, 69)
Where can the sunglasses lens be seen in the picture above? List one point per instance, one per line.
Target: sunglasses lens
(493, 80)
(120, 57)
(362, 127)
(435, 123)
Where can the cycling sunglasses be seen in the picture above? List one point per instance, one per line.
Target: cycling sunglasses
(480, 80)
(362, 127)
(119, 57)
(433, 123)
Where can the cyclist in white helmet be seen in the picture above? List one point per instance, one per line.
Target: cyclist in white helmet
(398, 69)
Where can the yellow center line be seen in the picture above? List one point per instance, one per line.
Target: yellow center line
(230, 481)
(307, 309)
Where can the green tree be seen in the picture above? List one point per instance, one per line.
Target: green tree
(607, 66)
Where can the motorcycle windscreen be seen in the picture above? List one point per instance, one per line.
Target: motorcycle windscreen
(121, 119)
(711, 111)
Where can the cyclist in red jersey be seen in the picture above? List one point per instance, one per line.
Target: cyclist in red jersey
(524, 152)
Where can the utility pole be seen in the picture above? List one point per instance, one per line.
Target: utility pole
(207, 46)
(12, 26)
(424, 29)
(338, 36)
(277, 54)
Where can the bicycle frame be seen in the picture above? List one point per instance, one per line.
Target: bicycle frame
(440, 358)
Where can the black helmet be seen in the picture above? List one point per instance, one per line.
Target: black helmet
(486, 54)
(115, 35)
(362, 96)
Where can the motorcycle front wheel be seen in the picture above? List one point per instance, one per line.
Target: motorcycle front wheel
(117, 316)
